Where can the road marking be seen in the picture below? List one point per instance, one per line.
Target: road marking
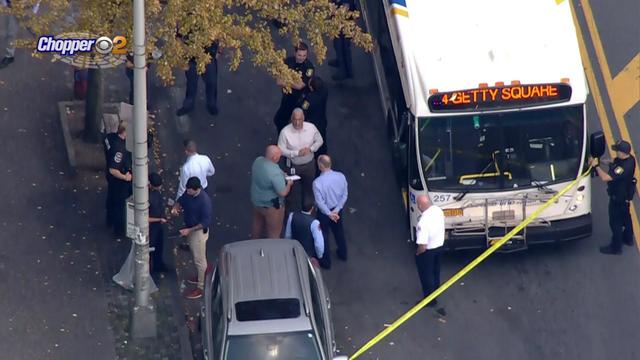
(602, 115)
(469, 267)
(606, 74)
(626, 87)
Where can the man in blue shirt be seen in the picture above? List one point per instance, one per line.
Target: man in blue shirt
(196, 205)
(330, 192)
(302, 226)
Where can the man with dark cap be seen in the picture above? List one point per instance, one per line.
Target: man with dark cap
(196, 206)
(156, 222)
(621, 186)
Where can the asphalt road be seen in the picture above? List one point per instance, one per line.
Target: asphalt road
(554, 302)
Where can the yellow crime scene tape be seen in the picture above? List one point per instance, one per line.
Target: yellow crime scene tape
(466, 269)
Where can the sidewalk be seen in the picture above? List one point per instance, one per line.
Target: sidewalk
(57, 258)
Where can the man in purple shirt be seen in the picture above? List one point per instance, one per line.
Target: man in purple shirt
(196, 205)
(330, 192)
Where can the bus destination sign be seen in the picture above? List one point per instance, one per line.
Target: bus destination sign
(503, 97)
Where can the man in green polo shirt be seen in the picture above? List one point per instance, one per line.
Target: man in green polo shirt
(268, 189)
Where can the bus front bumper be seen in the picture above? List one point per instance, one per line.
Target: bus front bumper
(558, 231)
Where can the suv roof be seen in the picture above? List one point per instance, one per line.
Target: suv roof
(262, 270)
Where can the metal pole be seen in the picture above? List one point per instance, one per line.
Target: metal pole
(143, 315)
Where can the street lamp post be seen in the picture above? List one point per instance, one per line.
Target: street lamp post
(143, 321)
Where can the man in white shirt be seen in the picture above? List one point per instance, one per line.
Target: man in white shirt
(430, 239)
(298, 142)
(196, 165)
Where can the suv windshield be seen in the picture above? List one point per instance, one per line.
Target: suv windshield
(282, 346)
(505, 150)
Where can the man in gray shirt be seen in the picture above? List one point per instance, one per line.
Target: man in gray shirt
(268, 189)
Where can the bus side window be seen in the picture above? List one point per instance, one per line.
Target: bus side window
(414, 171)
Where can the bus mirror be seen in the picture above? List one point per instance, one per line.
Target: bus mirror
(597, 144)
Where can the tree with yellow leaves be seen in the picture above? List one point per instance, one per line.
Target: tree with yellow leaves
(241, 27)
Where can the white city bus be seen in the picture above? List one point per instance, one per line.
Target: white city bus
(485, 105)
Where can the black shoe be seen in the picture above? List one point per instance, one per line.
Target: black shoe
(213, 110)
(340, 77)
(628, 243)
(333, 63)
(183, 111)
(432, 304)
(6, 61)
(610, 251)
(441, 312)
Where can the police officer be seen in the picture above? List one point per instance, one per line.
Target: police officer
(314, 104)
(157, 220)
(114, 140)
(210, 77)
(119, 183)
(620, 188)
(300, 63)
(304, 227)
(342, 46)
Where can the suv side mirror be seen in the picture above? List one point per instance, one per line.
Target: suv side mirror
(597, 144)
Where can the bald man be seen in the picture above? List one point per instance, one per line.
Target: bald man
(268, 189)
(430, 239)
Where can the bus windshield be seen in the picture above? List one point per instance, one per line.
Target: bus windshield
(496, 151)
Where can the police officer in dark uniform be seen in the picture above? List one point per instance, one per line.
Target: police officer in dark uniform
(314, 104)
(115, 140)
(119, 184)
(342, 46)
(157, 220)
(304, 227)
(300, 63)
(210, 77)
(620, 188)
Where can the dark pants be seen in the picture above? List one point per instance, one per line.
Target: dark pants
(337, 229)
(428, 264)
(117, 193)
(342, 45)
(156, 240)
(129, 73)
(323, 149)
(302, 189)
(210, 78)
(620, 224)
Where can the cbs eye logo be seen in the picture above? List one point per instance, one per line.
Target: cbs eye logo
(105, 46)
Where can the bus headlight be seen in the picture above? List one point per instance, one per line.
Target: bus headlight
(579, 198)
(573, 207)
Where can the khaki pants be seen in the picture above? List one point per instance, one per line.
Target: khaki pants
(271, 218)
(198, 244)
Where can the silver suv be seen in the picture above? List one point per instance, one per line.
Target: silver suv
(265, 300)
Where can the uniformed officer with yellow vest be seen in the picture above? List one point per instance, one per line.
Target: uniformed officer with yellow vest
(300, 63)
(620, 188)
